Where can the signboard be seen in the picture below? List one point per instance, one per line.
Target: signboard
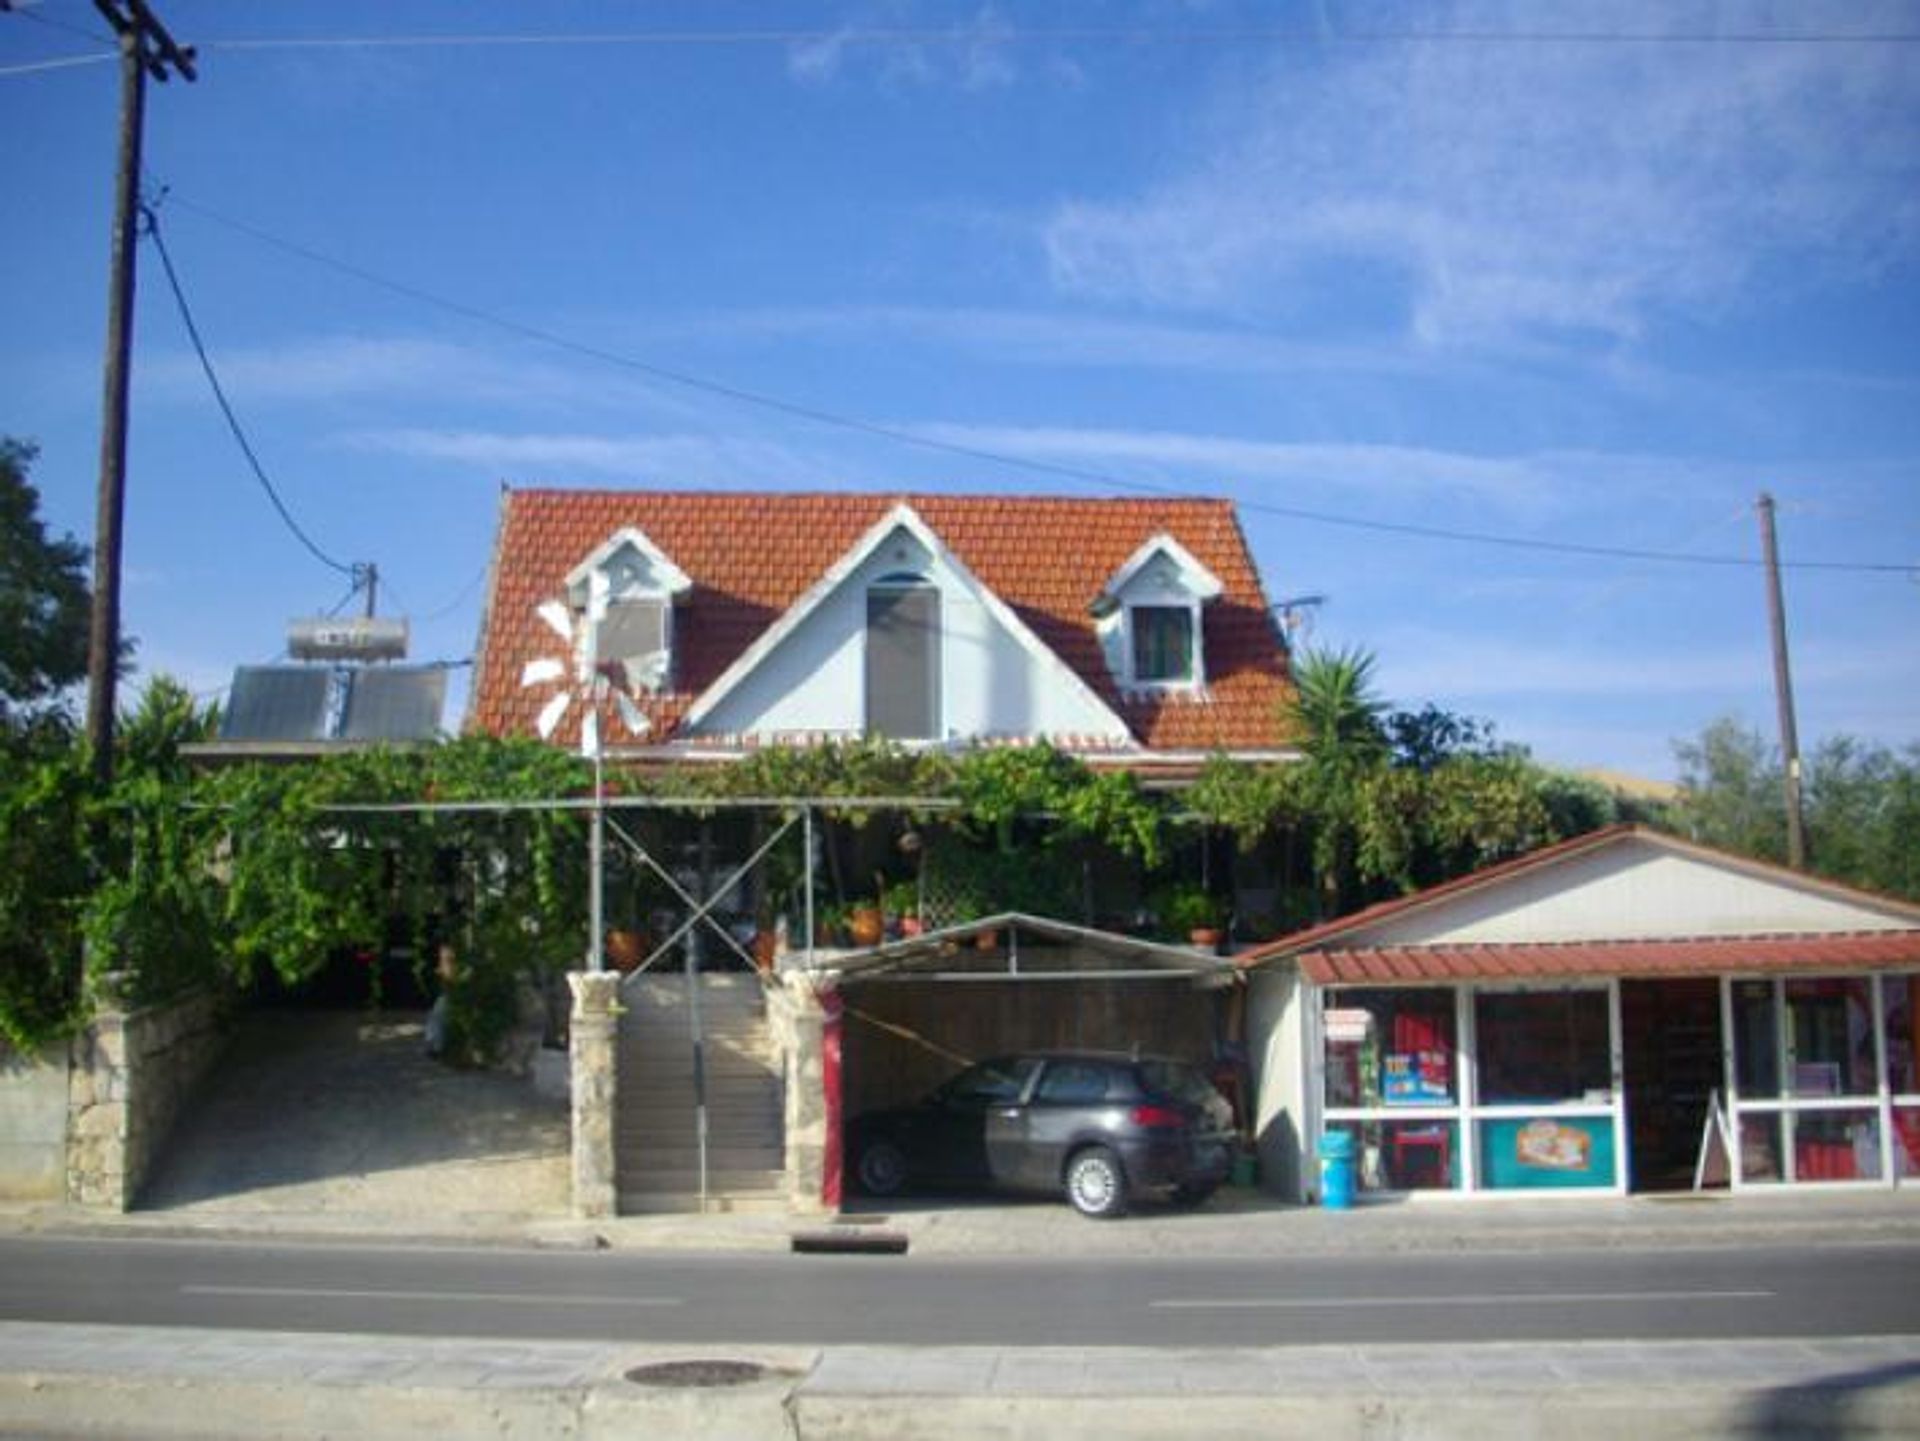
(1417, 1078)
(1348, 1027)
(348, 638)
(1548, 1152)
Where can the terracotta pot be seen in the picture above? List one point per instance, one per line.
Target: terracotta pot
(1206, 937)
(866, 926)
(765, 947)
(625, 949)
(911, 926)
(987, 941)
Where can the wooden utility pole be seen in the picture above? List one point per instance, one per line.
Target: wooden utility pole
(1783, 689)
(145, 48)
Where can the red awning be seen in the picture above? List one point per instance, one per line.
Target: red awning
(1707, 956)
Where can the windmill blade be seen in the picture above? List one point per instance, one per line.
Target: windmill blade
(556, 616)
(590, 734)
(550, 714)
(631, 716)
(540, 672)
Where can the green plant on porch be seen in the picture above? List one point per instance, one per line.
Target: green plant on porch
(1189, 907)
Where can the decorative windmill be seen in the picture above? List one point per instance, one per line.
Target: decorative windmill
(582, 677)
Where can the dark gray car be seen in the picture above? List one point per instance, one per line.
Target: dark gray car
(1101, 1128)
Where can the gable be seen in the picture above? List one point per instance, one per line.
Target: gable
(808, 674)
(1637, 888)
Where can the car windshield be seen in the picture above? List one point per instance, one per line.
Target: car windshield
(988, 1082)
(1181, 1082)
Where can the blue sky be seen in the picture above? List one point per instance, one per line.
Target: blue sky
(1589, 290)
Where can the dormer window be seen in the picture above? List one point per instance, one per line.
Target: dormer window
(1150, 618)
(630, 585)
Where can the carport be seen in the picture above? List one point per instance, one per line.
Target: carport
(902, 1016)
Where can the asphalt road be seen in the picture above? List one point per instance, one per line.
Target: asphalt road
(905, 1300)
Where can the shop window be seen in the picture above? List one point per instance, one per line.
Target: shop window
(1760, 1147)
(1547, 1152)
(1906, 1141)
(1543, 1048)
(1900, 1001)
(1390, 1048)
(1404, 1155)
(1756, 1040)
(1836, 1146)
(1831, 1033)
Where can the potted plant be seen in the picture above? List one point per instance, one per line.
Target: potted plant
(1195, 912)
(901, 902)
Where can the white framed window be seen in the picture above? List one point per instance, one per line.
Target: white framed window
(1164, 644)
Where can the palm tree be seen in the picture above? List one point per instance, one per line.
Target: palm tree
(1339, 719)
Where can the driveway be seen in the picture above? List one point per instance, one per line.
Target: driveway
(342, 1113)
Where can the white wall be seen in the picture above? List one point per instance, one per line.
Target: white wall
(990, 685)
(33, 1124)
(1632, 890)
(1276, 1041)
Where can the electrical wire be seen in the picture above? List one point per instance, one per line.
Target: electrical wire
(1084, 35)
(151, 227)
(26, 13)
(1078, 474)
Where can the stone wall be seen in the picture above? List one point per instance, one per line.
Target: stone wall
(595, 1088)
(131, 1074)
(33, 1124)
(797, 1022)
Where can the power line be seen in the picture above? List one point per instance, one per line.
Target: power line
(1102, 35)
(151, 221)
(818, 416)
(1097, 34)
(15, 7)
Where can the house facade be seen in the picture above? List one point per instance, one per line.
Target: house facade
(1622, 1012)
(1125, 632)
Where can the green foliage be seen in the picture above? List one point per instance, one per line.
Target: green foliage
(1186, 908)
(1339, 718)
(44, 600)
(1861, 802)
(46, 800)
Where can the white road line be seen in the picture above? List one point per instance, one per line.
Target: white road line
(522, 1297)
(1308, 1303)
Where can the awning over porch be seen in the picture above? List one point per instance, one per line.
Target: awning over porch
(1019, 947)
(1639, 959)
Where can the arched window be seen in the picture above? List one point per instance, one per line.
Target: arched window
(903, 658)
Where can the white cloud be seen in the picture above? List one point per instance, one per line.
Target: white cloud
(1526, 483)
(1512, 189)
(974, 55)
(675, 460)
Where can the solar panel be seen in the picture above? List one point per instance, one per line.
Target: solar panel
(276, 703)
(394, 703)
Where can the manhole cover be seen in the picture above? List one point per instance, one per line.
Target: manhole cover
(696, 1373)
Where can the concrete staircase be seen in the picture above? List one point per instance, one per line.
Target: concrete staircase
(655, 1135)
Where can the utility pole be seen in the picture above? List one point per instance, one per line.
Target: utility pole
(1783, 689)
(145, 48)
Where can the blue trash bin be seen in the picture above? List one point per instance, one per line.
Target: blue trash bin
(1336, 1170)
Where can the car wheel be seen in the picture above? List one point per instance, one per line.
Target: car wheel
(1195, 1195)
(1096, 1185)
(882, 1169)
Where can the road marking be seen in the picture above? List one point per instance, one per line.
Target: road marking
(522, 1297)
(1559, 1298)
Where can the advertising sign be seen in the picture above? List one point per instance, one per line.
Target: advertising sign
(1548, 1152)
(1417, 1078)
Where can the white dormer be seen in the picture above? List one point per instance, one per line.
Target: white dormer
(629, 586)
(1149, 618)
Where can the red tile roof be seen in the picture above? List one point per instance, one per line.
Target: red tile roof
(1644, 959)
(751, 555)
(1328, 934)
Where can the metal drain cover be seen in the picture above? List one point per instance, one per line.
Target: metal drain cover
(697, 1373)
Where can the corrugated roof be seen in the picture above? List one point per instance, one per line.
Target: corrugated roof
(751, 555)
(1646, 959)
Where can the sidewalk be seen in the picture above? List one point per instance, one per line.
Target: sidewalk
(1234, 1223)
(103, 1381)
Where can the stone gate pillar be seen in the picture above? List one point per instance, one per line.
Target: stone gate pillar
(594, 1051)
